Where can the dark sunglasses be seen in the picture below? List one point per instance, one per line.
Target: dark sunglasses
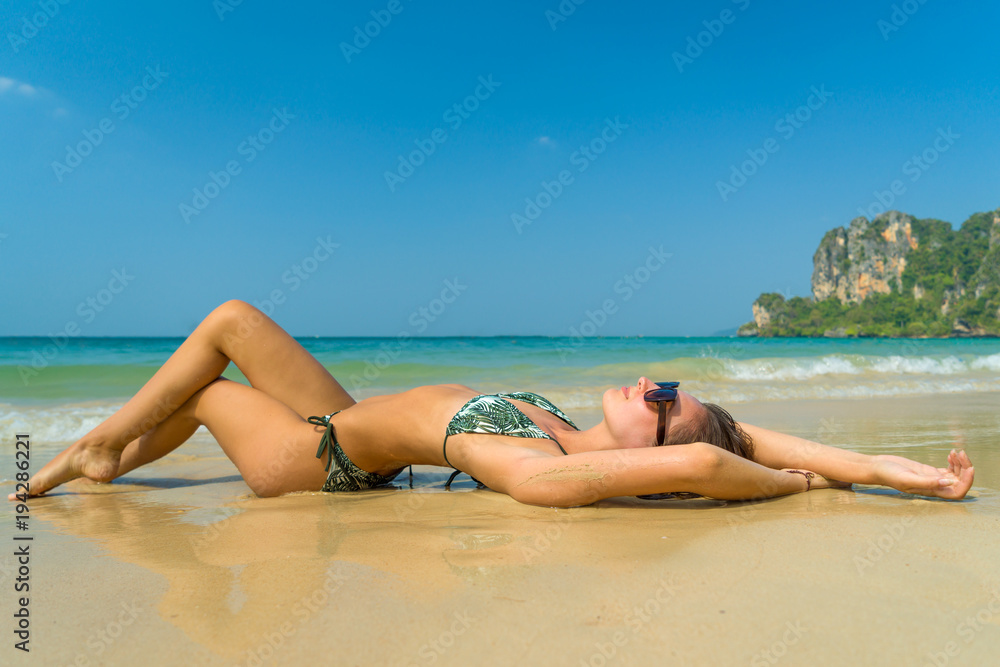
(666, 393)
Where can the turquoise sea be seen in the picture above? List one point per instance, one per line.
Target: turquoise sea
(62, 388)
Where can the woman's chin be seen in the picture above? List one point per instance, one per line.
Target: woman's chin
(608, 395)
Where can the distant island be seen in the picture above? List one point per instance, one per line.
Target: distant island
(895, 276)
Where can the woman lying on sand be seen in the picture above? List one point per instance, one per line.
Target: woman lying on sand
(518, 443)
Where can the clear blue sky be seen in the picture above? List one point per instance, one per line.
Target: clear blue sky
(66, 227)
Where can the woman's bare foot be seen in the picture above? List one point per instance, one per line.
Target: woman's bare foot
(94, 461)
(951, 483)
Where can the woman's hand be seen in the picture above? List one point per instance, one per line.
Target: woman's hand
(817, 481)
(909, 476)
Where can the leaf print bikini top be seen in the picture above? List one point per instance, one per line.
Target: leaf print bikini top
(491, 414)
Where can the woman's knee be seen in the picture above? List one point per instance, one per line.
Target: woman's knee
(235, 310)
(235, 321)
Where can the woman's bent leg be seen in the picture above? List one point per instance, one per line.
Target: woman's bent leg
(270, 358)
(273, 448)
(165, 437)
(277, 364)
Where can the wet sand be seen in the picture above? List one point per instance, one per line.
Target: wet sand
(179, 564)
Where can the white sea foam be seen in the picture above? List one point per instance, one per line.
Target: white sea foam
(771, 391)
(990, 363)
(54, 423)
(854, 365)
(789, 369)
(64, 423)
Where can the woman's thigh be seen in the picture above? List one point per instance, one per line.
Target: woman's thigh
(273, 447)
(276, 363)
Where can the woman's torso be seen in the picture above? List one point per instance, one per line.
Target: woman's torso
(385, 433)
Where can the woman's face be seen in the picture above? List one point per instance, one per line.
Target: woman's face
(632, 420)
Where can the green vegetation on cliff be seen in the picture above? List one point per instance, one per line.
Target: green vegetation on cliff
(950, 284)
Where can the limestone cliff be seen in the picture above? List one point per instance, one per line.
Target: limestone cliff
(761, 315)
(867, 257)
(895, 275)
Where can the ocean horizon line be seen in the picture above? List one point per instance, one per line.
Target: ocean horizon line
(382, 337)
(51, 337)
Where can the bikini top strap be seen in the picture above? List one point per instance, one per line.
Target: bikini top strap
(444, 451)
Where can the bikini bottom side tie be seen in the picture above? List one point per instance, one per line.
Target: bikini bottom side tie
(344, 475)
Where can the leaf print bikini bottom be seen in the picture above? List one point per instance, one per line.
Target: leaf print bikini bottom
(344, 475)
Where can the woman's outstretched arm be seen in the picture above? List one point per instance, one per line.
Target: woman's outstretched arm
(584, 478)
(780, 450)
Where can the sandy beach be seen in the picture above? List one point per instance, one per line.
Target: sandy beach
(179, 563)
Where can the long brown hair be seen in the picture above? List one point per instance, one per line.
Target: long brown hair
(716, 427)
